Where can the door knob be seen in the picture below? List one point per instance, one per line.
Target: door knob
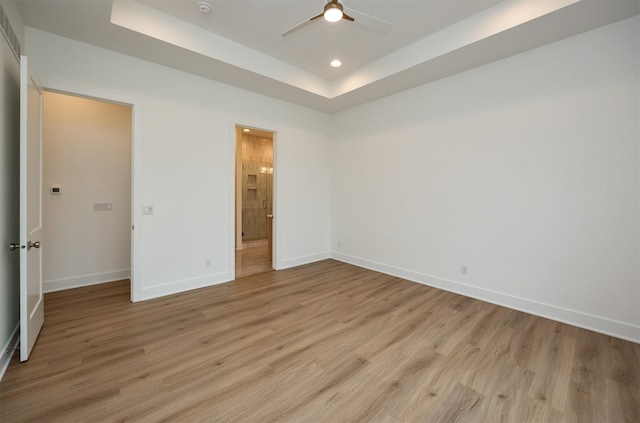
(13, 246)
(33, 244)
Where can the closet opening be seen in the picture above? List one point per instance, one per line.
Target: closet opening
(87, 191)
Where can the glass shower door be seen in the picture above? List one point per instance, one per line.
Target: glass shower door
(257, 190)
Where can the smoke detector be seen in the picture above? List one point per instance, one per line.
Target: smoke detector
(204, 7)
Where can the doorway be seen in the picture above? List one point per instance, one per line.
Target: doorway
(254, 201)
(87, 185)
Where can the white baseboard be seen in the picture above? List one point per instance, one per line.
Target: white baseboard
(12, 343)
(85, 280)
(254, 243)
(599, 324)
(176, 287)
(299, 261)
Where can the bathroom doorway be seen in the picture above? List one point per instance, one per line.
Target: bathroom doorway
(254, 201)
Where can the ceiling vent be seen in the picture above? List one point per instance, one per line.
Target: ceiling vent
(9, 33)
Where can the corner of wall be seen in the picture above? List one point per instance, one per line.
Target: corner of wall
(583, 320)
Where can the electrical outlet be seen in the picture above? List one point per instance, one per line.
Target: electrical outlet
(339, 244)
(464, 269)
(207, 262)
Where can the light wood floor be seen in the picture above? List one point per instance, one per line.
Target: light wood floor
(326, 342)
(250, 261)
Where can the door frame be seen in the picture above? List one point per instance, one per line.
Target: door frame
(136, 168)
(232, 193)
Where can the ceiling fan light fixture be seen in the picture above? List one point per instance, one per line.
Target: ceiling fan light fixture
(333, 12)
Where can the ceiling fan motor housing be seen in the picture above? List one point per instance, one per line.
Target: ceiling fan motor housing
(333, 11)
(333, 4)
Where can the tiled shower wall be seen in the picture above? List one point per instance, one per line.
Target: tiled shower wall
(257, 185)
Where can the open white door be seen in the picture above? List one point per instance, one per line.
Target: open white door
(31, 295)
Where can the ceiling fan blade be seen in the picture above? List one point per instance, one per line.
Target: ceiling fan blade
(301, 25)
(347, 17)
(370, 22)
(319, 15)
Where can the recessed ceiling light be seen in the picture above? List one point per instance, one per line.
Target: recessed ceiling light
(204, 7)
(336, 63)
(246, 129)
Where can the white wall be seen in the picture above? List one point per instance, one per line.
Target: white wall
(184, 163)
(87, 153)
(526, 170)
(9, 196)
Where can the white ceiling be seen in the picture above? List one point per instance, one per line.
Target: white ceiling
(258, 24)
(240, 42)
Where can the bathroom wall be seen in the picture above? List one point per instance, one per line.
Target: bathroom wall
(257, 185)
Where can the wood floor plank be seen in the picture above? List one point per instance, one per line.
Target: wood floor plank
(623, 402)
(324, 342)
(553, 370)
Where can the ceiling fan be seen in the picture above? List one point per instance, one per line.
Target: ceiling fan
(334, 12)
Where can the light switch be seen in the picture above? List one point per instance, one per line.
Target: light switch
(55, 190)
(148, 210)
(102, 207)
